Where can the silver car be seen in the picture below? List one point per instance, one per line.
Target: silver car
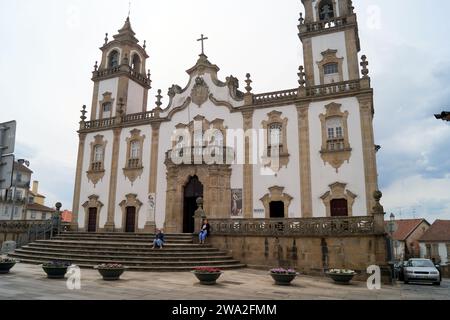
(421, 270)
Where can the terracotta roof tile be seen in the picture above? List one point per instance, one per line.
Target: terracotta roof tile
(439, 231)
(405, 228)
(38, 207)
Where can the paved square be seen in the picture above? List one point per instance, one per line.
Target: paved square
(29, 282)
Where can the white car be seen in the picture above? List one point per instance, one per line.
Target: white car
(422, 270)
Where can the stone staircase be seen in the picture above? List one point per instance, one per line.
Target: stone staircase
(132, 250)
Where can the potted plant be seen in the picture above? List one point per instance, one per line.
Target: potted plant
(6, 264)
(341, 276)
(206, 275)
(110, 271)
(56, 269)
(283, 277)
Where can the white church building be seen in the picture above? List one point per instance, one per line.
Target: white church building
(304, 152)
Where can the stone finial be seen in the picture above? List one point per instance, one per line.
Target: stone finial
(158, 99)
(301, 20)
(351, 8)
(145, 44)
(149, 78)
(106, 38)
(301, 76)
(378, 209)
(248, 88)
(83, 114)
(96, 66)
(364, 63)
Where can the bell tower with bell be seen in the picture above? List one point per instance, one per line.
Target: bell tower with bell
(329, 33)
(121, 81)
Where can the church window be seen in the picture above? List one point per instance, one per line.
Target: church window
(136, 63)
(326, 11)
(107, 107)
(276, 127)
(113, 59)
(97, 164)
(330, 68)
(133, 166)
(97, 167)
(335, 134)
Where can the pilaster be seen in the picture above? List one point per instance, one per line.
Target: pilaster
(78, 176)
(248, 166)
(110, 224)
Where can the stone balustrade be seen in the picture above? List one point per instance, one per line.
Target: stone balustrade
(125, 69)
(335, 226)
(275, 96)
(333, 88)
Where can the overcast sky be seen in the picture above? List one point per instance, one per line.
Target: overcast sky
(49, 48)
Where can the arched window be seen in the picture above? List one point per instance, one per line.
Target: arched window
(135, 150)
(107, 108)
(113, 59)
(136, 63)
(326, 10)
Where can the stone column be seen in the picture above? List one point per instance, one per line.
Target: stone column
(305, 159)
(370, 164)
(110, 225)
(150, 225)
(76, 194)
(248, 166)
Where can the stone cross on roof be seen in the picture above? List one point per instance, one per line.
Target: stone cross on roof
(202, 39)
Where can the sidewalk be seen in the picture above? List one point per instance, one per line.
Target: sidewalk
(30, 282)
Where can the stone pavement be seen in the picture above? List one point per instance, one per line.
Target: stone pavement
(29, 282)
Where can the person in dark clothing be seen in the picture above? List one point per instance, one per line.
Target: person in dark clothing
(159, 240)
(204, 231)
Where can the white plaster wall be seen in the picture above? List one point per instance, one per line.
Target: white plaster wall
(287, 177)
(351, 173)
(333, 41)
(210, 112)
(443, 253)
(102, 188)
(140, 186)
(109, 85)
(135, 97)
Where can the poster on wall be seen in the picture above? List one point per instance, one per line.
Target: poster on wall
(236, 203)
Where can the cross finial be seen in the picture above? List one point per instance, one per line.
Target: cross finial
(202, 39)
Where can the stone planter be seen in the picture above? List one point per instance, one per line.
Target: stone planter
(55, 272)
(207, 278)
(5, 267)
(283, 279)
(341, 278)
(111, 274)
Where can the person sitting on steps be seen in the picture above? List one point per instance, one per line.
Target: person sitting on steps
(204, 231)
(159, 239)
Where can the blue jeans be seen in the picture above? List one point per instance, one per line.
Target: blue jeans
(158, 243)
(202, 235)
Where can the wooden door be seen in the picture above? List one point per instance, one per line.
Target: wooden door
(92, 220)
(339, 208)
(130, 223)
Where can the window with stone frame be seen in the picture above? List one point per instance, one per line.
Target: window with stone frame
(330, 69)
(97, 164)
(97, 159)
(277, 144)
(107, 108)
(134, 163)
(113, 59)
(335, 140)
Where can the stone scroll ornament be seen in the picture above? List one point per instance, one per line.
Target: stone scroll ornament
(200, 92)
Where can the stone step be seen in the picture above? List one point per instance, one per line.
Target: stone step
(78, 260)
(122, 236)
(125, 234)
(164, 257)
(146, 269)
(144, 253)
(85, 243)
(139, 240)
(140, 249)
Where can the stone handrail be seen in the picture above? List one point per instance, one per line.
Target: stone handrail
(333, 88)
(109, 122)
(139, 77)
(102, 123)
(275, 96)
(324, 24)
(345, 226)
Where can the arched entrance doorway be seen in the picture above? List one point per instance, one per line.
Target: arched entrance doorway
(192, 191)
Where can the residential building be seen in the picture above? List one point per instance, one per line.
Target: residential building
(435, 243)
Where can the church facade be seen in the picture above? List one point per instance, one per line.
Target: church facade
(306, 152)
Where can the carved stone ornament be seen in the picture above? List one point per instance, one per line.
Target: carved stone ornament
(200, 92)
(276, 193)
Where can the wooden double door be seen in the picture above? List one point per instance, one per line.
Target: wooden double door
(130, 220)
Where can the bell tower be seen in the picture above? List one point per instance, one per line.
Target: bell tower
(329, 33)
(121, 82)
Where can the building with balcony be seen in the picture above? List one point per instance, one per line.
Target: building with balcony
(305, 154)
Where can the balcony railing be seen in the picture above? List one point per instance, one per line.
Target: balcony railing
(134, 164)
(109, 122)
(133, 74)
(275, 96)
(323, 25)
(97, 166)
(334, 226)
(201, 155)
(333, 88)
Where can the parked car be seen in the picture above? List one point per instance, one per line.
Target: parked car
(422, 270)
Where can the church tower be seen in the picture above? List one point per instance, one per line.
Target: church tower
(329, 32)
(121, 82)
